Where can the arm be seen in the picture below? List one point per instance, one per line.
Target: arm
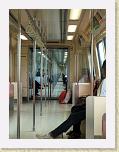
(103, 88)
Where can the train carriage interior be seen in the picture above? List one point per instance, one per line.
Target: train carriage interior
(55, 61)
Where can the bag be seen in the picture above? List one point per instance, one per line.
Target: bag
(67, 97)
(62, 96)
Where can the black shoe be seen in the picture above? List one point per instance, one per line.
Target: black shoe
(74, 136)
(70, 132)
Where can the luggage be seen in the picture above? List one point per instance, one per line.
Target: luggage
(67, 97)
(62, 96)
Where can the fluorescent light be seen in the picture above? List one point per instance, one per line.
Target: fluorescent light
(72, 28)
(23, 37)
(69, 37)
(42, 54)
(75, 14)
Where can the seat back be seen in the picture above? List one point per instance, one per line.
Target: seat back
(95, 108)
(80, 89)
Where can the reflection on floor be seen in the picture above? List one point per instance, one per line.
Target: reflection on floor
(52, 115)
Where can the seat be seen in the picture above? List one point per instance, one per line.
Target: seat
(95, 108)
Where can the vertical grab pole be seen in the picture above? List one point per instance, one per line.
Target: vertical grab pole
(45, 75)
(41, 81)
(48, 80)
(92, 47)
(28, 77)
(50, 75)
(34, 74)
(18, 74)
(92, 52)
(75, 69)
(77, 66)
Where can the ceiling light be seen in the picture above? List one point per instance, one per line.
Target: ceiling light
(72, 28)
(23, 37)
(69, 37)
(75, 14)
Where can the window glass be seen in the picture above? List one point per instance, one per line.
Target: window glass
(101, 52)
(104, 42)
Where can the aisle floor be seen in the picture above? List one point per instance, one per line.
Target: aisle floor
(53, 114)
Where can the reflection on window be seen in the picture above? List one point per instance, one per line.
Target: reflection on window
(101, 52)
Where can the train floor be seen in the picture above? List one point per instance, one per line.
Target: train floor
(53, 114)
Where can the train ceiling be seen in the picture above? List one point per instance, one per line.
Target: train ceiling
(52, 24)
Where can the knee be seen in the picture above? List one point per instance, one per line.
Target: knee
(73, 109)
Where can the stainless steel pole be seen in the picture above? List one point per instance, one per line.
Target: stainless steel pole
(28, 77)
(77, 67)
(48, 78)
(34, 74)
(41, 81)
(68, 70)
(91, 52)
(92, 47)
(45, 76)
(10, 58)
(50, 81)
(18, 74)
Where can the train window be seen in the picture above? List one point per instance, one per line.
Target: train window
(89, 64)
(104, 39)
(89, 61)
(101, 52)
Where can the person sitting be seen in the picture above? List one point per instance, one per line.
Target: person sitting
(85, 76)
(78, 112)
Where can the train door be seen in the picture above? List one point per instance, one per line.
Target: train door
(58, 68)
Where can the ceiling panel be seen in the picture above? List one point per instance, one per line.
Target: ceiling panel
(50, 20)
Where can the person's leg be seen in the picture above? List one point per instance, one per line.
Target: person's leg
(78, 108)
(76, 128)
(75, 109)
(36, 91)
(76, 133)
(73, 119)
(62, 128)
(36, 87)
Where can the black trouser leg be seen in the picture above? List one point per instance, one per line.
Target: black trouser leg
(73, 119)
(76, 128)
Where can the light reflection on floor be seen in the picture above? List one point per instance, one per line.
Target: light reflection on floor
(52, 115)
